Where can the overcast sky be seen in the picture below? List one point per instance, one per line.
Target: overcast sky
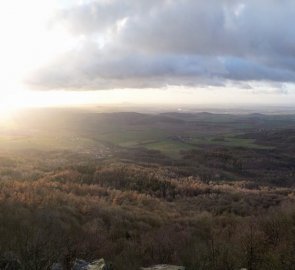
(248, 46)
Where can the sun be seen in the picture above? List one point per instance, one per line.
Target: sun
(10, 103)
(27, 39)
(27, 43)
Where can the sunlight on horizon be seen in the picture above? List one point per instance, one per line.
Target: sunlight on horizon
(28, 41)
(22, 98)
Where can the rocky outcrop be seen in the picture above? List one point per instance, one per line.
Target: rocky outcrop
(101, 264)
(56, 266)
(79, 264)
(164, 267)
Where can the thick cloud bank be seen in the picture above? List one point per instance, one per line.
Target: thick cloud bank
(154, 43)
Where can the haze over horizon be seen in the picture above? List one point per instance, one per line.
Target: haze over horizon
(147, 134)
(63, 53)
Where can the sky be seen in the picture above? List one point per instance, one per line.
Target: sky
(66, 52)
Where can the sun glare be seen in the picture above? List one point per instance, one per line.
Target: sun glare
(27, 42)
(22, 25)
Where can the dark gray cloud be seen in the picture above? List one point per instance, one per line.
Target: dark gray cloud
(139, 44)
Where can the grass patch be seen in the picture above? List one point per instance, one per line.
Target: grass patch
(169, 147)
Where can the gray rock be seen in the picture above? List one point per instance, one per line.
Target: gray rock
(95, 265)
(98, 265)
(164, 267)
(56, 266)
(80, 265)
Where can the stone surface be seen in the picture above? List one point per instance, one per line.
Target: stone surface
(164, 267)
(95, 265)
(56, 266)
(79, 265)
(101, 264)
(98, 265)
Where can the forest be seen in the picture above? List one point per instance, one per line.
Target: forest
(206, 191)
